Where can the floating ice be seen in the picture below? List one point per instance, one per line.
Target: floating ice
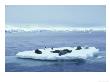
(48, 55)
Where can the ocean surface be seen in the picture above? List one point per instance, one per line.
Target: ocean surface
(24, 41)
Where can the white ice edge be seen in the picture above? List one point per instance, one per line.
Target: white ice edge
(47, 55)
(31, 28)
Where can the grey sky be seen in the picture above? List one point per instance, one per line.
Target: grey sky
(64, 15)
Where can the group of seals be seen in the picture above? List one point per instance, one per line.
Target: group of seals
(60, 52)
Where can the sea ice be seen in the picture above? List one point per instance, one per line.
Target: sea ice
(48, 55)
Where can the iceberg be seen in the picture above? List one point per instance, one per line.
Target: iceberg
(47, 53)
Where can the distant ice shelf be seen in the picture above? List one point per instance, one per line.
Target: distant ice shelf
(32, 28)
(48, 55)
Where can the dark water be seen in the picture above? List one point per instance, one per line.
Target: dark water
(16, 42)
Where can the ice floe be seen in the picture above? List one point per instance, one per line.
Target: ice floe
(47, 53)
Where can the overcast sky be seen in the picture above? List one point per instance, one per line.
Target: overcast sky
(64, 15)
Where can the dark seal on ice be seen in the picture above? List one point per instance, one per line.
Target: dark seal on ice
(78, 48)
(62, 52)
(37, 51)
